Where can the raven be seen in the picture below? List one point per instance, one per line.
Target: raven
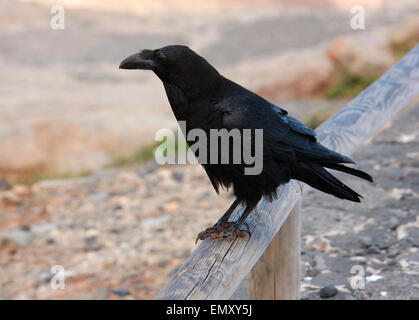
(204, 99)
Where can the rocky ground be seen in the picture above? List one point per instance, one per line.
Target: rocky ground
(120, 234)
(381, 235)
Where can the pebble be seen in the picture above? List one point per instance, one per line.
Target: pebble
(4, 185)
(98, 196)
(99, 294)
(392, 253)
(373, 250)
(19, 237)
(319, 263)
(366, 242)
(328, 292)
(407, 242)
(25, 228)
(397, 213)
(117, 207)
(92, 244)
(392, 263)
(121, 292)
(177, 176)
(381, 244)
(393, 224)
(358, 252)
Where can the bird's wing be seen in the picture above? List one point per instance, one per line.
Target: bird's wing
(285, 137)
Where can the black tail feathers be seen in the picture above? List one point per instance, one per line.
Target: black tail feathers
(316, 176)
(351, 171)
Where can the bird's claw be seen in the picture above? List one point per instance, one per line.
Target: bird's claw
(228, 230)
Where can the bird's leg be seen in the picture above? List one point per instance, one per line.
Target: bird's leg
(224, 218)
(236, 229)
(231, 230)
(221, 223)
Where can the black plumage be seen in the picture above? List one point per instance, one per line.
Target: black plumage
(204, 99)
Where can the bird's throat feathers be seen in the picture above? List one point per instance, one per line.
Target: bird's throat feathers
(181, 97)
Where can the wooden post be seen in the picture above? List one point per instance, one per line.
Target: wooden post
(216, 268)
(276, 276)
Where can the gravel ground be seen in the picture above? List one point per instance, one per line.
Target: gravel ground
(380, 236)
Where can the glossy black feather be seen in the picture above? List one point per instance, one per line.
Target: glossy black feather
(203, 98)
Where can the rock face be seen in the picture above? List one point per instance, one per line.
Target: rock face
(362, 56)
(285, 77)
(407, 32)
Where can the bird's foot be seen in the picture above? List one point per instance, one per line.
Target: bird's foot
(230, 230)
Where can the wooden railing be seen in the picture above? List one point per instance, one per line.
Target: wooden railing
(272, 255)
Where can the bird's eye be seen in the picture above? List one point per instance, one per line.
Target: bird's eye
(161, 56)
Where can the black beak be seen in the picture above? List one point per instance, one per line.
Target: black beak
(138, 61)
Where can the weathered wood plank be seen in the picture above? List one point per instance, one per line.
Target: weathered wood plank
(216, 268)
(215, 265)
(276, 276)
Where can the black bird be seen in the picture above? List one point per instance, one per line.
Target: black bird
(204, 99)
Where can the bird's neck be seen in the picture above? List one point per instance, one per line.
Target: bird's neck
(183, 99)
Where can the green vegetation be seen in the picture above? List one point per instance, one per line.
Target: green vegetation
(349, 85)
(142, 155)
(145, 154)
(31, 176)
(401, 48)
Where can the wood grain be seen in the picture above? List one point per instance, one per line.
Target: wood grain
(216, 268)
(276, 276)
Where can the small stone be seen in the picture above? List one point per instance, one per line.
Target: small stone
(328, 292)
(98, 196)
(117, 207)
(373, 250)
(358, 252)
(170, 206)
(406, 242)
(121, 292)
(207, 195)
(101, 294)
(92, 244)
(397, 214)
(43, 228)
(162, 263)
(359, 259)
(394, 252)
(394, 223)
(314, 272)
(4, 185)
(319, 263)
(366, 242)
(392, 263)
(49, 277)
(381, 244)
(19, 237)
(25, 228)
(177, 176)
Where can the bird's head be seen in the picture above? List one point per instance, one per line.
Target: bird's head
(176, 65)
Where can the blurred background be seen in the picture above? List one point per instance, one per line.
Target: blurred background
(79, 186)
